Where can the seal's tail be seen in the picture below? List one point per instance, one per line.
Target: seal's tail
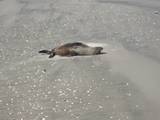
(45, 51)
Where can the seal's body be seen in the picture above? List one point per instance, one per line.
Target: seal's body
(73, 49)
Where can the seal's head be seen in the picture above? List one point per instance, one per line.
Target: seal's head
(87, 50)
(98, 50)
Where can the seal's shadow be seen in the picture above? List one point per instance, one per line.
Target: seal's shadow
(90, 55)
(85, 55)
(80, 55)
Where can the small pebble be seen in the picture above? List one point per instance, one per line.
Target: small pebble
(156, 12)
(44, 71)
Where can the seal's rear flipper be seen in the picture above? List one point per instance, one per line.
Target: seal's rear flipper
(52, 55)
(45, 51)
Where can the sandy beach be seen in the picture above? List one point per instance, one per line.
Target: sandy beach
(120, 85)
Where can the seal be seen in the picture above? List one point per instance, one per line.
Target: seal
(73, 49)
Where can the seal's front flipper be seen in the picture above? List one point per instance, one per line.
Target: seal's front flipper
(73, 53)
